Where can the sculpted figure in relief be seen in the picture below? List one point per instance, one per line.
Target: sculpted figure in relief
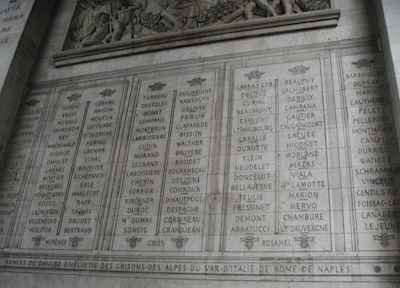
(98, 32)
(270, 7)
(124, 13)
(246, 9)
(185, 14)
(83, 20)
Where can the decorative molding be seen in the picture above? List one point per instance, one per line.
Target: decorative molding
(157, 86)
(363, 62)
(32, 103)
(38, 240)
(249, 241)
(75, 240)
(74, 97)
(304, 240)
(197, 81)
(133, 241)
(299, 70)
(179, 241)
(384, 239)
(107, 93)
(254, 75)
(377, 269)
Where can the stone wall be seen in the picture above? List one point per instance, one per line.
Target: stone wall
(266, 161)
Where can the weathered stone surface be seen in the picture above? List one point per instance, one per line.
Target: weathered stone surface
(242, 163)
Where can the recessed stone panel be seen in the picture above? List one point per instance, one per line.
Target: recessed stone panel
(288, 111)
(14, 171)
(373, 154)
(73, 173)
(172, 159)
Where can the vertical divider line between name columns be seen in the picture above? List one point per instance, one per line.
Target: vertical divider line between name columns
(277, 166)
(227, 169)
(72, 168)
(349, 162)
(161, 202)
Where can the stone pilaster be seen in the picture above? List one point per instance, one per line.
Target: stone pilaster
(22, 25)
(389, 26)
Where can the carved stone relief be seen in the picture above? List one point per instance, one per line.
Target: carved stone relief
(98, 22)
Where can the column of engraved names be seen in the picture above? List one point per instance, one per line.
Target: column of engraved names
(184, 198)
(51, 185)
(90, 174)
(71, 176)
(374, 153)
(304, 197)
(250, 212)
(136, 226)
(12, 173)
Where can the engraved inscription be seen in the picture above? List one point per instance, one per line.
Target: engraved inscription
(278, 198)
(9, 18)
(374, 153)
(165, 181)
(12, 173)
(68, 192)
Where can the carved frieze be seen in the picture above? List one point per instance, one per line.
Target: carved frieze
(98, 22)
(145, 25)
